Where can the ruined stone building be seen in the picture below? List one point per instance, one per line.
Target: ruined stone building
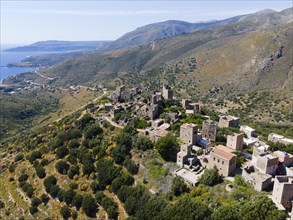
(235, 141)
(156, 98)
(182, 156)
(188, 134)
(283, 191)
(279, 138)
(259, 181)
(157, 134)
(185, 103)
(149, 110)
(267, 164)
(284, 157)
(122, 94)
(167, 92)
(228, 121)
(209, 130)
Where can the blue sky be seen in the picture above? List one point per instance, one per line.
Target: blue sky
(24, 22)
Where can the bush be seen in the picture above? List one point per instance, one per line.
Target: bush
(167, 147)
(34, 155)
(36, 202)
(77, 201)
(49, 182)
(84, 121)
(73, 170)
(130, 166)
(18, 157)
(68, 196)
(89, 205)
(62, 151)
(210, 177)
(40, 171)
(95, 186)
(99, 196)
(74, 215)
(44, 162)
(92, 131)
(143, 143)
(74, 143)
(73, 185)
(30, 191)
(62, 166)
(23, 178)
(2, 205)
(45, 198)
(33, 210)
(178, 186)
(11, 168)
(110, 206)
(65, 212)
(54, 191)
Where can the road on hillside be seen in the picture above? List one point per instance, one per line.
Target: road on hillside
(82, 107)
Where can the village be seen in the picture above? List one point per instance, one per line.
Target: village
(265, 170)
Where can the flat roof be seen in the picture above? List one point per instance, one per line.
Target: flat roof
(246, 127)
(189, 176)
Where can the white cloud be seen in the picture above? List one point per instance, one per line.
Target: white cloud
(102, 13)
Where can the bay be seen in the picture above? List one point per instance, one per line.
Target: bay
(13, 57)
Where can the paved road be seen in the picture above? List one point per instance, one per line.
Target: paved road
(45, 77)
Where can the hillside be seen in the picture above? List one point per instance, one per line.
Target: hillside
(85, 168)
(60, 46)
(223, 56)
(260, 20)
(223, 66)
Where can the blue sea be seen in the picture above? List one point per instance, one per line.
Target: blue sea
(12, 57)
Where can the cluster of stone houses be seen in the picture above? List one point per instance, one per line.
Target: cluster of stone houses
(264, 170)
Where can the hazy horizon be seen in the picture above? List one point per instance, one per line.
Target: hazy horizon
(27, 22)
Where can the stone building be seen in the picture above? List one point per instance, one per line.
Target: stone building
(250, 132)
(121, 94)
(279, 138)
(185, 103)
(284, 157)
(149, 110)
(235, 141)
(223, 160)
(167, 92)
(209, 130)
(183, 154)
(194, 106)
(267, 164)
(283, 191)
(258, 180)
(228, 121)
(158, 122)
(157, 134)
(188, 133)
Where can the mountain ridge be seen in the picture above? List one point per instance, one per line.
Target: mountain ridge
(62, 46)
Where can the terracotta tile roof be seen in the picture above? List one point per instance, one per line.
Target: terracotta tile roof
(161, 133)
(223, 154)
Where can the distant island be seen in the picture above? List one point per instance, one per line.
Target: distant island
(60, 46)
